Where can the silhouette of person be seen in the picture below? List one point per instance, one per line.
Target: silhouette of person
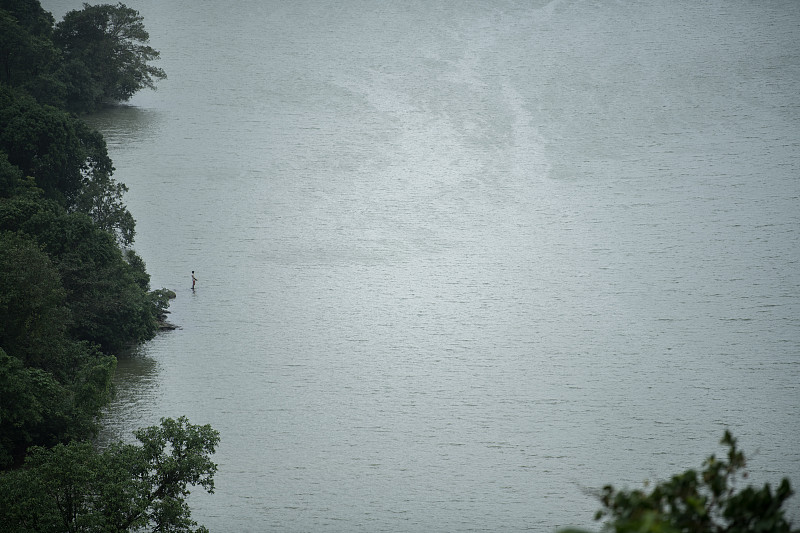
(194, 280)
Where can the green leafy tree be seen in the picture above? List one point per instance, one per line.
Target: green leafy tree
(67, 159)
(126, 487)
(33, 311)
(52, 388)
(16, 45)
(108, 305)
(46, 143)
(36, 409)
(706, 501)
(100, 195)
(106, 295)
(28, 57)
(30, 15)
(10, 177)
(33, 409)
(106, 53)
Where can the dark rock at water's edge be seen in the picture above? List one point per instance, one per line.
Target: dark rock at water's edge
(163, 325)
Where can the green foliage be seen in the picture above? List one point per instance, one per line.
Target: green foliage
(96, 54)
(105, 46)
(100, 195)
(68, 289)
(67, 159)
(33, 311)
(160, 299)
(38, 409)
(104, 293)
(138, 268)
(30, 15)
(31, 409)
(45, 143)
(108, 305)
(123, 488)
(694, 501)
(52, 388)
(10, 177)
(28, 57)
(101, 198)
(54, 267)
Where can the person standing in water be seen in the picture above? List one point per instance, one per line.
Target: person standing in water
(194, 280)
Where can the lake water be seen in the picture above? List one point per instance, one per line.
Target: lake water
(462, 262)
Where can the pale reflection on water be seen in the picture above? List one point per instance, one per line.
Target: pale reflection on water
(136, 382)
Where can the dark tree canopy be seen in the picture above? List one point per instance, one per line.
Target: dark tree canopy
(94, 55)
(33, 311)
(30, 15)
(29, 59)
(106, 54)
(123, 488)
(70, 296)
(10, 176)
(45, 143)
(106, 290)
(67, 159)
(71, 291)
(26, 48)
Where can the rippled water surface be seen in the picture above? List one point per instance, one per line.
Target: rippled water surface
(460, 262)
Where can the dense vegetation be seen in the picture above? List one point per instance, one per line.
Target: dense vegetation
(72, 292)
(125, 487)
(95, 55)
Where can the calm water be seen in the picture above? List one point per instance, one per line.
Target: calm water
(460, 262)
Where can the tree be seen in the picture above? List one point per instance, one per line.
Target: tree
(123, 488)
(106, 295)
(52, 388)
(100, 195)
(105, 48)
(36, 409)
(33, 312)
(68, 160)
(28, 58)
(706, 501)
(30, 15)
(16, 46)
(108, 305)
(33, 409)
(10, 177)
(47, 144)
